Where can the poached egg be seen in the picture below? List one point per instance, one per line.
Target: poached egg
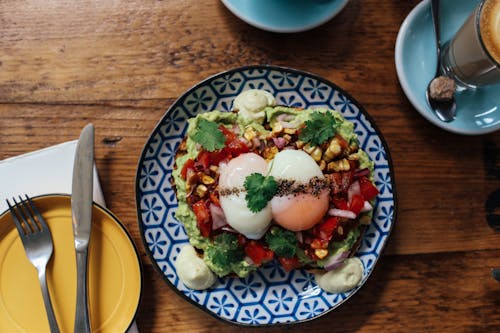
(231, 180)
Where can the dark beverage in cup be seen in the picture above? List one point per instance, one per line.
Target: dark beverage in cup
(472, 57)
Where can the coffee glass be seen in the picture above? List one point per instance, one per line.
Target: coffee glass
(472, 56)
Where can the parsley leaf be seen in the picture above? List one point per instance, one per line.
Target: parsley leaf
(260, 190)
(224, 252)
(208, 134)
(282, 242)
(320, 128)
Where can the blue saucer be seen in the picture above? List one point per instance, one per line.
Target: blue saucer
(478, 112)
(285, 15)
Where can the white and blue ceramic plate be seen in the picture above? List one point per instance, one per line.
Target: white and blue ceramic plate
(285, 15)
(478, 112)
(270, 295)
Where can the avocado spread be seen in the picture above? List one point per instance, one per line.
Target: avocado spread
(216, 249)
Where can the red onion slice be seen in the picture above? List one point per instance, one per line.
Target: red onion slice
(229, 229)
(218, 217)
(354, 189)
(367, 207)
(279, 142)
(342, 213)
(336, 260)
(284, 117)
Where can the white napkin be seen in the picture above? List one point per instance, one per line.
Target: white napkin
(44, 171)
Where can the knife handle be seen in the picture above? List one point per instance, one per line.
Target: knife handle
(82, 322)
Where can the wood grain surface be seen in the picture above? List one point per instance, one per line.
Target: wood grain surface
(121, 64)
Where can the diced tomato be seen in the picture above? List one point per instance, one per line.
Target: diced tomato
(203, 218)
(188, 165)
(204, 158)
(218, 156)
(289, 263)
(357, 203)
(257, 252)
(237, 147)
(340, 203)
(325, 229)
(368, 190)
(228, 134)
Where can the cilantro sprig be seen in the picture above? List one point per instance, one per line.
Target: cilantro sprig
(225, 252)
(320, 128)
(208, 134)
(260, 189)
(282, 242)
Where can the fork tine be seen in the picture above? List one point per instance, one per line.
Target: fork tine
(17, 223)
(25, 216)
(35, 210)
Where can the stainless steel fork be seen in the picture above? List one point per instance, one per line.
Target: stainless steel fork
(37, 242)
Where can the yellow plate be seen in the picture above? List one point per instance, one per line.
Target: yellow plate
(114, 273)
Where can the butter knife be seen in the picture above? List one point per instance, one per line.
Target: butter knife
(81, 208)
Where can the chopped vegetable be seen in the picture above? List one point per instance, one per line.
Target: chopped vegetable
(282, 242)
(203, 219)
(225, 252)
(320, 128)
(260, 190)
(289, 263)
(368, 190)
(357, 203)
(188, 165)
(208, 135)
(258, 253)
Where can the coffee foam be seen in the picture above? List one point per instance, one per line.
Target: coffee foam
(490, 27)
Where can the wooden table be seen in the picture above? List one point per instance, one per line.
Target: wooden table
(121, 64)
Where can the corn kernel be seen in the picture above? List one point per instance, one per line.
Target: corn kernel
(333, 150)
(337, 166)
(322, 165)
(207, 180)
(250, 133)
(214, 168)
(308, 148)
(290, 130)
(340, 230)
(321, 253)
(201, 190)
(316, 154)
(269, 152)
(287, 137)
(299, 144)
(353, 157)
(278, 128)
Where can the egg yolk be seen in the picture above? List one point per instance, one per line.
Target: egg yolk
(299, 212)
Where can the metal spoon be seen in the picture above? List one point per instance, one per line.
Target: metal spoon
(445, 110)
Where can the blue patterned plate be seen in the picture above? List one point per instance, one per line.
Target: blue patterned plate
(270, 295)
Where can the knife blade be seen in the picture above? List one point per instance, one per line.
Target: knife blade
(81, 208)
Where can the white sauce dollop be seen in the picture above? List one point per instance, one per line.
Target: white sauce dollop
(343, 278)
(192, 270)
(251, 103)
